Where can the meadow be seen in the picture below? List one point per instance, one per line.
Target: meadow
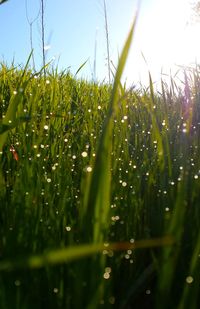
(99, 191)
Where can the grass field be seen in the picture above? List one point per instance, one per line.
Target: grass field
(99, 192)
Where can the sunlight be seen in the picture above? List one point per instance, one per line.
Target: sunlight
(168, 38)
(182, 34)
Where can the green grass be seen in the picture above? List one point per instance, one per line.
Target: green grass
(99, 192)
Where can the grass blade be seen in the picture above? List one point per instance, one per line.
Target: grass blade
(67, 255)
(97, 196)
(80, 68)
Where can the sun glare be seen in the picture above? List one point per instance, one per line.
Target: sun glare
(168, 37)
(182, 43)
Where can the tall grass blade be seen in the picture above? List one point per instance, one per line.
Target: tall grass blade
(97, 194)
(170, 254)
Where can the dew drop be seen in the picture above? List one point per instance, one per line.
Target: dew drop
(84, 154)
(68, 228)
(189, 279)
(148, 292)
(106, 275)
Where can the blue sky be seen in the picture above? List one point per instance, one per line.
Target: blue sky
(73, 26)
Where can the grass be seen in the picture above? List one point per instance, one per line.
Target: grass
(100, 190)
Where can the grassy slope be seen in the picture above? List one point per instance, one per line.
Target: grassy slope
(155, 191)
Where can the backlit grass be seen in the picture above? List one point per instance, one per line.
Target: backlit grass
(100, 191)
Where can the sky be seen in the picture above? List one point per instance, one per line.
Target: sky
(166, 36)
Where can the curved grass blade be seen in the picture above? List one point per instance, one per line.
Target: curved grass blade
(80, 68)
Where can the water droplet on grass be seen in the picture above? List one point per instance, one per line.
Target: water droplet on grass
(189, 279)
(106, 275)
(89, 169)
(84, 154)
(148, 292)
(68, 228)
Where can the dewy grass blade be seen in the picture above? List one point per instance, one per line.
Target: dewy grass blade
(97, 195)
(170, 254)
(10, 119)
